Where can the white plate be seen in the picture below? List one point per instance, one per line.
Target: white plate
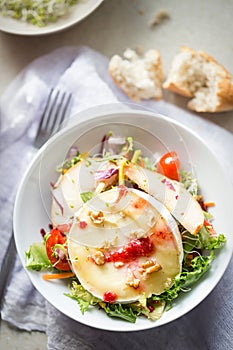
(75, 15)
(156, 133)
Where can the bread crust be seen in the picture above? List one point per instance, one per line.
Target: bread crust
(177, 89)
(121, 85)
(224, 91)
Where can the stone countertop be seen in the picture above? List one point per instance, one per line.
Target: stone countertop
(114, 26)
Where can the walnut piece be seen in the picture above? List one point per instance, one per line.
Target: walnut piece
(132, 281)
(98, 257)
(96, 217)
(149, 267)
(118, 264)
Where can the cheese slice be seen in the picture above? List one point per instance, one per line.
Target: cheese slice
(126, 243)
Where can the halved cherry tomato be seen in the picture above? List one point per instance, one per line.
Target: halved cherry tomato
(169, 165)
(56, 237)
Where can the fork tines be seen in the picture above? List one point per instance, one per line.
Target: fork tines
(53, 116)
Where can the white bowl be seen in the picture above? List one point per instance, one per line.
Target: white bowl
(77, 13)
(156, 133)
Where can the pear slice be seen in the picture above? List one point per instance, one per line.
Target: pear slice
(180, 203)
(80, 178)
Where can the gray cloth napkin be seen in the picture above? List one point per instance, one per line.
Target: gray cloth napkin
(84, 72)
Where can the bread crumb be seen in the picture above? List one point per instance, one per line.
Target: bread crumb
(159, 17)
(141, 12)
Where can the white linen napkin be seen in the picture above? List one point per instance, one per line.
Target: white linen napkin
(84, 72)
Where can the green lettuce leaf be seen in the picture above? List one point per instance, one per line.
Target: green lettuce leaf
(209, 242)
(36, 257)
(86, 196)
(122, 311)
(198, 267)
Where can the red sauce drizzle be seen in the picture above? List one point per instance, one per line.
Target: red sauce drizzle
(109, 297)
(131, 251)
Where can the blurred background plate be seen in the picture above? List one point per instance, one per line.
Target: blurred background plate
(76, 13)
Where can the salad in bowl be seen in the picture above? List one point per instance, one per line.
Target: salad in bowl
(124, 225)
(127, 233)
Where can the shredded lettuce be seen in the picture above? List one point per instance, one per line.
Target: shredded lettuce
(149, 164)
(190, 183)
(70, 161)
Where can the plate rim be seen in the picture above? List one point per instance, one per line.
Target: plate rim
(77, 123)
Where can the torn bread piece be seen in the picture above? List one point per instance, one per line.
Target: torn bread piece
(197, 75)
(139, 76)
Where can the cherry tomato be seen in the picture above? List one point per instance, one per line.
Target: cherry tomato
(169, 165)
(56, 237)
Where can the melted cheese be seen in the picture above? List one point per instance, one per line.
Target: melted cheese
(123, 219)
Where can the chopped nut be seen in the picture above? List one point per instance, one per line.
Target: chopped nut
(154, 268)
(118, 264)
(122, 214)
(132, 281)
(98, 257)
(149, 267)
(135, 283)
(147, 264)
(96, 217)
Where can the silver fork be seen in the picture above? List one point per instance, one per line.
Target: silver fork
(53, 116)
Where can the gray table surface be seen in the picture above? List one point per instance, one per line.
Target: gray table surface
(115, 25)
